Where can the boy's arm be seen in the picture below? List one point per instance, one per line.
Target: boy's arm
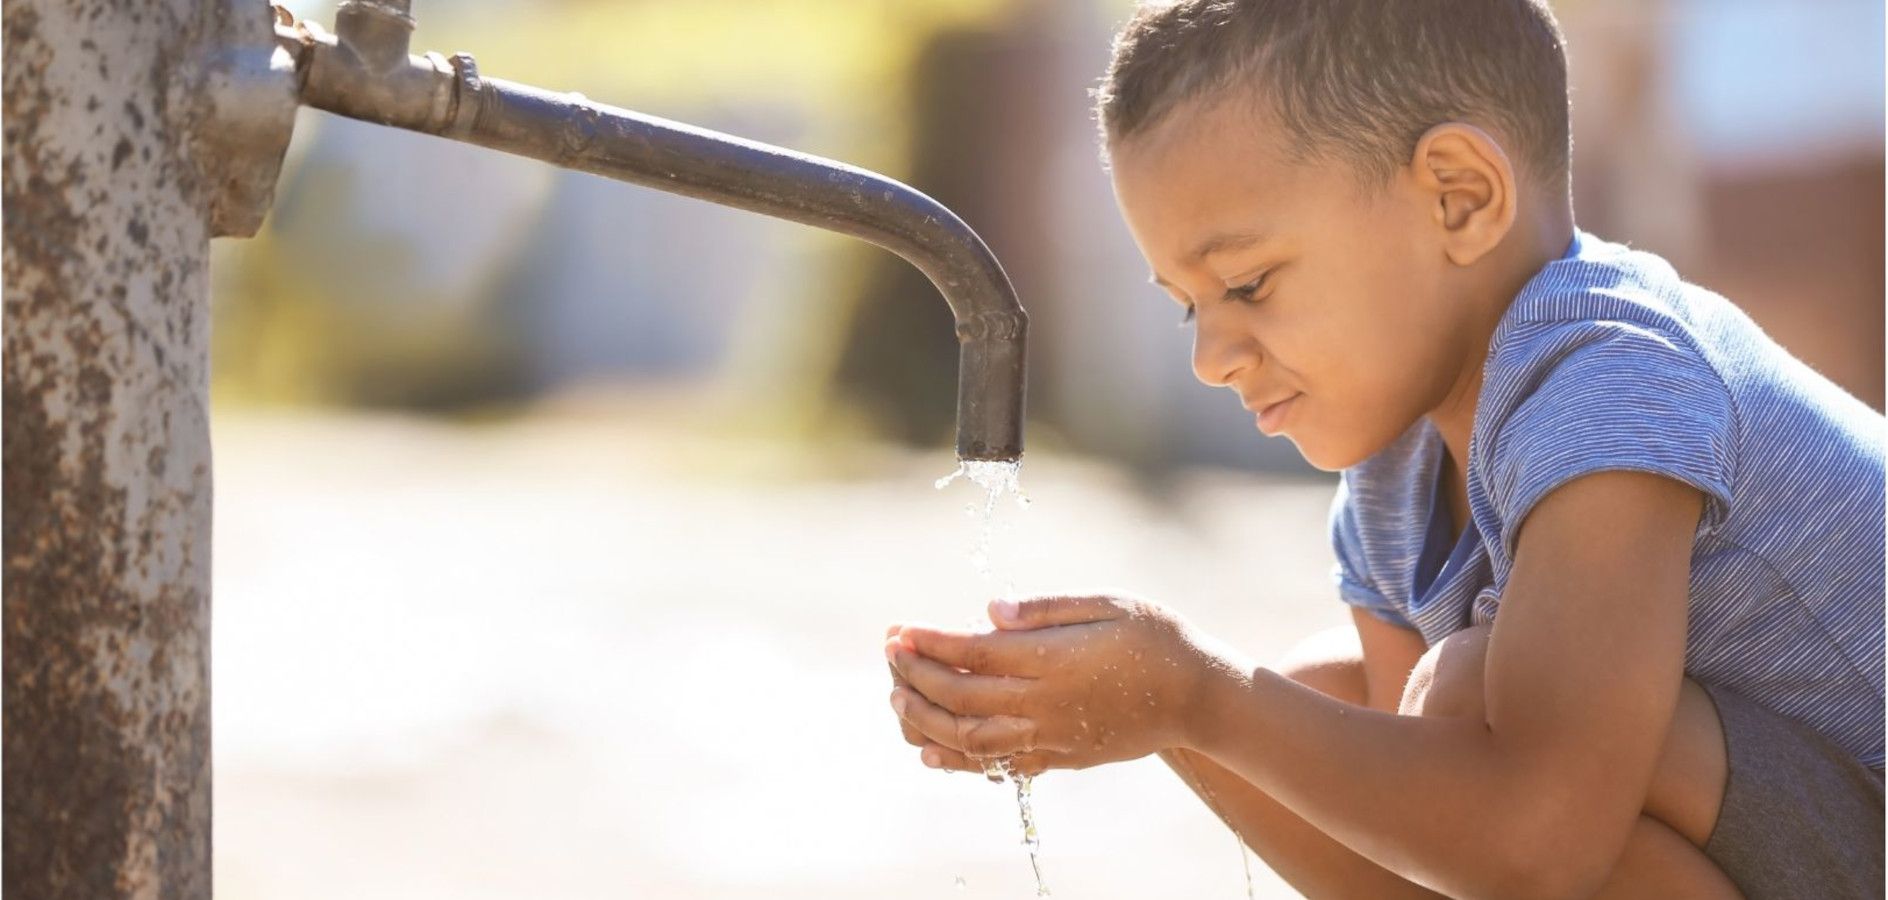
(1583, 672)
(1537, 798)
(1308, 859)
(1311, 861)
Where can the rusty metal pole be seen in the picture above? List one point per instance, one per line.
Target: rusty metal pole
(115, 181)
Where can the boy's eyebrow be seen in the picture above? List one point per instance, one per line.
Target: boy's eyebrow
(1218, 243)
(1226, 240)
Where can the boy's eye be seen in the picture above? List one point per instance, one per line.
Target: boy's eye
(1247, 290)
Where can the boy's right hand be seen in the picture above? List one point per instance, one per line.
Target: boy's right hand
(932, 753)
(1063, 682)
(913, 736)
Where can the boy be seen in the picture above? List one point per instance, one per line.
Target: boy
(1614, 557)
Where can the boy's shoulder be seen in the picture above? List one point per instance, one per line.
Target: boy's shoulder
(1600, 290)
(1608, 360)
(1605, 360)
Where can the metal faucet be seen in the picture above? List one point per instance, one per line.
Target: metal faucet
(364, 71)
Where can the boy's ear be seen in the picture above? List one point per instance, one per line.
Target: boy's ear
(1471, 184)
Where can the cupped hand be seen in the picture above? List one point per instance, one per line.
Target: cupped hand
(931, 754)
(1064, 682)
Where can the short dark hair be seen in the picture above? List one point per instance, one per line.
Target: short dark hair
(1358, 80)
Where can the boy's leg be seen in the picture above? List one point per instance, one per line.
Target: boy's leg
(1657, 860)
(1660, 864)
(1688, 782)
(1664, 856)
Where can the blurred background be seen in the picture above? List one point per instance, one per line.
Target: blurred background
(559, 521)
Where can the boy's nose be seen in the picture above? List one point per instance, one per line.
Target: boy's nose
(1219, 355)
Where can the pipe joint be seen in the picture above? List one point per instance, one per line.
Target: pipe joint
(993, 325)
(377, 32)
(354, 80)
(467, 91)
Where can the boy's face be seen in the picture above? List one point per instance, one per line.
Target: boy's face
(1322, 300)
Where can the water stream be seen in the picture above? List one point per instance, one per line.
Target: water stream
(998, 479)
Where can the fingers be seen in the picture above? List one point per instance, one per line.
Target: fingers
(963, 693)
(934, 724)
(913, 736)
(938, 756)
(1032, 763)
(891, 644)
(1044, 612)
(911, 706)
(987, 653)
(977, 736)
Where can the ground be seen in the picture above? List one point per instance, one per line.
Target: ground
(583, 654)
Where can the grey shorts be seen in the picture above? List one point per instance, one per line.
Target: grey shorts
(1801, 817)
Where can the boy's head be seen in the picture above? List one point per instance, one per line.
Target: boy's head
(1344, 193)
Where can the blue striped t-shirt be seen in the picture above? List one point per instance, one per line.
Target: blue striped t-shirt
(1607, 360)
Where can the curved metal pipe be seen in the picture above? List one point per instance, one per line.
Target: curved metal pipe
(359, 75)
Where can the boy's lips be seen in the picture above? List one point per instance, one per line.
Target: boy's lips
(1271, 416)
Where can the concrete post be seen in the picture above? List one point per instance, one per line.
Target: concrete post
(110, 202)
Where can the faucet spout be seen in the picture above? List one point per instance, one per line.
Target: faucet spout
(366, 74)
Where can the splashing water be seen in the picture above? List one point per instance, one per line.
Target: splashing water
(997, 479)
(1245, 859)
(1028, 814)
(1212, 803)
(999, 769)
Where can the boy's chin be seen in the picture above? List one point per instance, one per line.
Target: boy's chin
(1326, 455)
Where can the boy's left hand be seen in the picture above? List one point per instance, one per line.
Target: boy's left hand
(1065, 682)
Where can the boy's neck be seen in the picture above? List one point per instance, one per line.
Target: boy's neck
(1534, 242)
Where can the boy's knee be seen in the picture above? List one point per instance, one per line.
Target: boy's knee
(1330, 662)
(1447, 680)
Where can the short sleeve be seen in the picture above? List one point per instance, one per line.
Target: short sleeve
(1613, 396)
(1351, 574)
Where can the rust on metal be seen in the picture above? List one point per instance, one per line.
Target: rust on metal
(108, 205)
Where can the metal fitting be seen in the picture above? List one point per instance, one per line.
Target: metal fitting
(249, 84)
(377, 31)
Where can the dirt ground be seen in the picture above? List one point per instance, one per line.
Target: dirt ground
(578, 655)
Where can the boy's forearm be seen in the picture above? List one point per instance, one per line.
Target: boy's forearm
(1428, 798)
(1308, 859)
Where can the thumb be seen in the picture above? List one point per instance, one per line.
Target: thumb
(1044, 612)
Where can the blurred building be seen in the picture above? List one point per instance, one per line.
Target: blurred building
(1743, 140)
